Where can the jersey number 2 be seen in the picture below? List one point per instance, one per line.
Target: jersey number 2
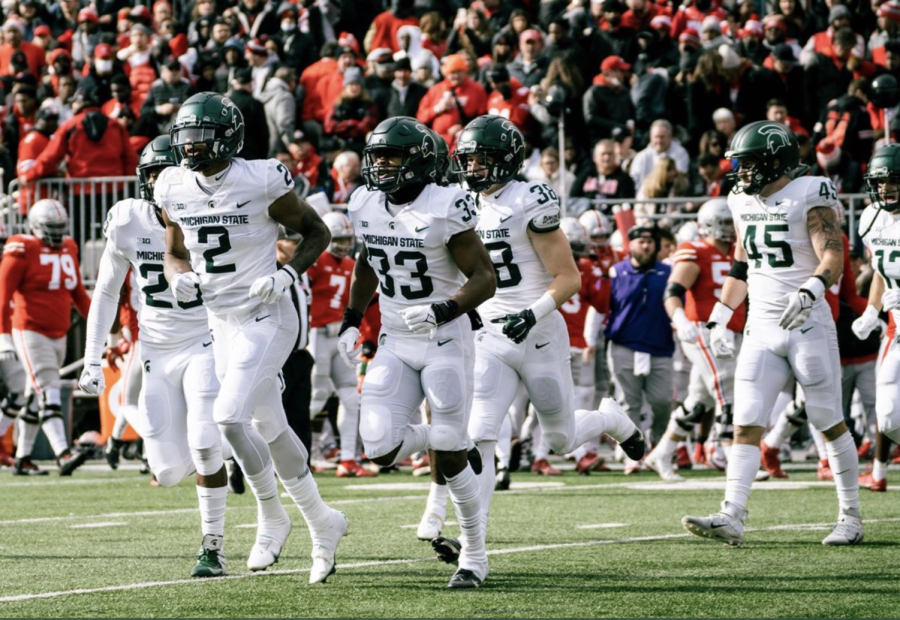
(220, 232)
(161, 286)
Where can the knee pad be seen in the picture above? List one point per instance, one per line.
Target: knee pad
(557, 441)
(269, 422)
(887, 414)
(546, 395)
(170, 476)
(374, 423)
(28, 415)
(445, 438)
(207, 461)
(48, 412)
(725, 423)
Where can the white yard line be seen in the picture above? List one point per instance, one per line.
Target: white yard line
(18, 598)
(102, 524)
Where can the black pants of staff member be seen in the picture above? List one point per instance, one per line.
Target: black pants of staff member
(297, 371)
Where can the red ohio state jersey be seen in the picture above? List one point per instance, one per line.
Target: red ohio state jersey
(703, 295)
(329, 280)
(39, 285)
(574, 310)
(128, 308)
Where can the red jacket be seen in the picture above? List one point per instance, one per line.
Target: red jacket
(110, 156)
(471, 96)
(515, 109)
(34, 55)
(30, 147)
(312, 104)
(386, 27)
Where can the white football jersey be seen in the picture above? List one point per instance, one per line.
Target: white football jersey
(227, 230)
(409, 250)
(774, 234)
(883, 241)
(135, 235)
(503, 222)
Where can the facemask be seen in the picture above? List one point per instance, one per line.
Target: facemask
(103, 66)
(288, 25)
(612, 81)
(702, 5)
(505, 90)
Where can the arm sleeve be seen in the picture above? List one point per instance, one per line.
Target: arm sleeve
(12, 270)
(105, 306)
(48, 161)
(848, 292)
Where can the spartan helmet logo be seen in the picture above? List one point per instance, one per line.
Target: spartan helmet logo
(428, 146)
(776, 137)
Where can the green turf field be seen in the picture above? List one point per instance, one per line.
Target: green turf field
(105, 544)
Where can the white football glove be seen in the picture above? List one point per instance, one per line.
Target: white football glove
(185, 286)
(420, 319)
(271, 288)
(685, 328)
(721, 341)
(7, 349)
(347, 348)
(92, 381)
(866, 323)
(890, 300)
(800, 304)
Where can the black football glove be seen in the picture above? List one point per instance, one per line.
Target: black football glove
(517, 325)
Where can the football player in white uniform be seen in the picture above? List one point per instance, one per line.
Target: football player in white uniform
(179, 383)
(880, 223)
(419, 247)
(789, 252)
(526, 339)
(222, 214)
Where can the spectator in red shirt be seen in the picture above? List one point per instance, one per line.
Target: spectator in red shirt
(509, 98)
(20, 119)
(383, 32)
(451, 103)
(13, 41)
(31, 146)
(354, 115)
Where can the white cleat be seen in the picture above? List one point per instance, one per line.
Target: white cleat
(662, 467)
(429, 527)
(270, 540)
(718, 526)
(325, 546)
(848, 531)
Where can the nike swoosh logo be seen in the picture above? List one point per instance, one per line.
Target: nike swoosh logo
(541, 346)
(443, 342)
(842, 472)
(206, 344)
(241, 204)
(803, 331)
(715, 527)
(423, 228)
(503, 219)
(260, 318)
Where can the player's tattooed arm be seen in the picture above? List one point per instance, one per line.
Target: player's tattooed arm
(295, 214)
(473, 260)
(177, 257)
(363, 283)
(734, 291)
(827, 241)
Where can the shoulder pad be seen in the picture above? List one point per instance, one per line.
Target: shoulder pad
(820, 192)
(16, 245)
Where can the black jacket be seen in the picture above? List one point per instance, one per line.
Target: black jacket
(410, 105)
(256, 129)
(605, 109)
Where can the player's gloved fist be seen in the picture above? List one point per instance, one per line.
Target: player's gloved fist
(866, 323)
(7, 349)
(721, 341)
(800, 303)
(349, 335)
(516, 326)
(92, 381)
(271, 288)
(420, 319)
(890, 300)
(686, 329)
(185, 286)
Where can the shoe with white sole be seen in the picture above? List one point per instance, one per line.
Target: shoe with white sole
(270, 539)
(663, 467)
(847, 531)
(717, 526)
(429, 527)
(325, 544)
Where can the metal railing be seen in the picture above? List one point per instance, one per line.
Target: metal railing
(88, 201)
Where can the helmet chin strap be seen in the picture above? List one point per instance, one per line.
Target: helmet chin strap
(405, 194)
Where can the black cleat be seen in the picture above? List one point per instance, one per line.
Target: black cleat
(635, 446)
(70, 460)
(464, 578)
(235, 477)
(447, 549)
(113, 452)
(474, 458)
(24, 467)
(501, 483)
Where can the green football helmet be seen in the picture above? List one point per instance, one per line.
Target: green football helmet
(497, 138)
(884, 166)
(441, 171)
(156, 155)
(212, 120)
(775, 149)
(407, 138)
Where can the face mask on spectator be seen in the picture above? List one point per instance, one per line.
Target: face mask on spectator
(288, 25)
(613, 81)
(103, 66)
(505, 90)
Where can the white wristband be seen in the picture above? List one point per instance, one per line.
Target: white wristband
(815, 286)
(721, 314)
(543, 306)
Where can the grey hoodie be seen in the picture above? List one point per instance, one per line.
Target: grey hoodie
(281, 114)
